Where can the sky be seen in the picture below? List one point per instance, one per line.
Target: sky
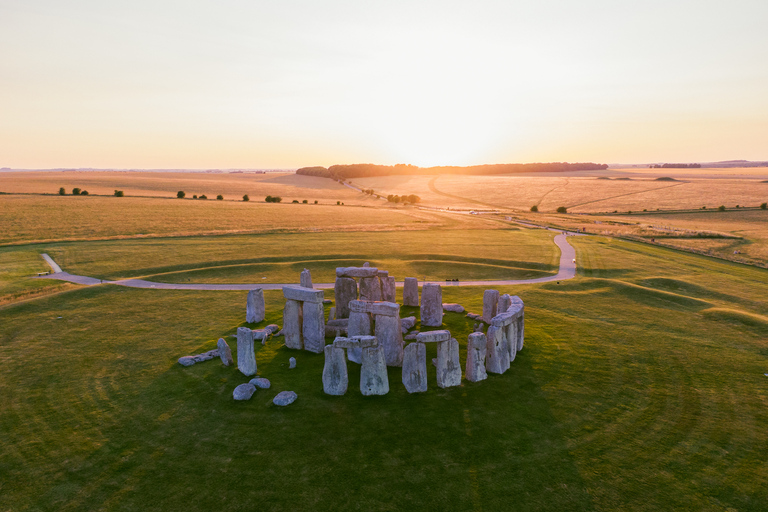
(286, 84)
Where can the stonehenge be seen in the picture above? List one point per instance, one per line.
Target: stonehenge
(381, 319)
(205, 356)
(411, 292)
(476, 348)
(415, 368)
(335, 377)
(375, 285)
(431, 305)
(448, 366)
(373, 373)
(305, 279)
(304, 318)
(505, 336)
(447, 362)
(254, 306)
(490, 304)
(246, 357)
(225, 353)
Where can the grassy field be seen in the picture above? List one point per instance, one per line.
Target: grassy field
(641, 387)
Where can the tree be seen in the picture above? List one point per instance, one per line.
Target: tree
(75, 191)
(315, 201)
(305, 201)
(246, 198)
(203, 196)
(562, 209)
(219, 197)
(721, 208)
(180, 194)
(84, 193)
(62, 192)
(764, 206)
(119, 193)
(534, 208)
(295, 201)
(194, 196)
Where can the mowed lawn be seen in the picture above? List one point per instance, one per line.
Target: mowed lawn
(641, 387)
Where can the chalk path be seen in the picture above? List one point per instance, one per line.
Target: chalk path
(567, 271)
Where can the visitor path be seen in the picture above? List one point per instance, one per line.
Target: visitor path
(567, 271)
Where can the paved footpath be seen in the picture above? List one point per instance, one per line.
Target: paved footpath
(567, 271)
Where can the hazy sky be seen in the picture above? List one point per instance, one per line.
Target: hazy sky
(192, 84)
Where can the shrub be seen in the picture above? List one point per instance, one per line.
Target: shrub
(295, 201)
(315, 201)
(338, 203)
(62, 192)
(219, 197)
(562, 209)
(194, 196)
(75, 191)
(273, 199)
(84, 193)
(764, 206)
(119, 193)
(721, 208)
(203, 196)
(305, 202)
(246, 198)
(534, 208)
(180, 194)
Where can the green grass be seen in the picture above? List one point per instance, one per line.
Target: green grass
(17, 266)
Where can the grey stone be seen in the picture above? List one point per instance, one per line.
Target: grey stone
(303, 294)
(387, 330)
(331, 331)
(476, 347)
(375, 308)
(261, 335)
(448, 366)
(280, 333)
(341, 322)
(261, 383)
(284, 398)
(382, 273)
(358, 272)
(199, 358)
(452, 307)
(254, 306)
(368, 341)
(434, 336)
(292, 324)
(244, 391)
(504, 302)
(475, 316)
(345, 342)
(503, 319)
(415, 368)
(335, 377)
(291, 363)
(246, 357)
(432, 305)
(370, 289)
(411, 336)
(388, 289)
(313, 327)
(366, 265)
(332, 314)
(225, 353)
(187, 360)
(305, 279)
(345, 290)
(373, 372)
(411, 292)
(407, 323)
(490, 303)
(497, 353)
(520, 332)
(510, 332)
(360, 324)
(274, 328)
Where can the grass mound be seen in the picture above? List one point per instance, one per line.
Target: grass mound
(682, 287)
(665, 178)
(739, 318)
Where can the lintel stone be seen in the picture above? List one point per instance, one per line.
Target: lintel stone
(302, 294)
(356, 271)
(434, 336)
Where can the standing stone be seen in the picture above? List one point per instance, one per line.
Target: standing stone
(366, 265)
(345, 290)
(246, 357)
(448, 366)
(520, 332)
(305, 279)
(497, 354)
(254, 307)
(388, 288)
(225, 353)
(291, 363)
(335, 378)
(490, 303)
(332, 313)
(359, 325)
(432, 305)
(504, 302)
(476, 348)
(370, 288)
(390, 338)
(292, 324)
(415, 368)
(411, 292)
(510, 332)
(373, 373)
(313, 327)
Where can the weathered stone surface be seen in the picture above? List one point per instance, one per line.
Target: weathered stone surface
(474, 316)
(292, 324)
(503, 319)
(341, 322)
(345, 342)
(411, 336)
(327, 301)
(284, 398)
(368, 341)
(225, 353)
(291, 363)
(375, 308)
(510, 333)
(261, 335)
(432, 305)
(313, 327)
(382, 273)
(305, 279)
(434, 336)
(360, 324)
(497, 354)
(331, 331)
(370, 288)
(452, 307)
(448, 366)
(476, 348)
(345, 290)
(332, 314)
(205, 356)
(246, 357)
(490, 303)
(303, 294)
(411, 292)
(373, 372)
(388, 289)
(504, 302)
(520, 332)
(244, 391)
(261, 383)
(407, 323)
(387, 330)
(358, 272)
(254, 306)
(415, 368)
(335, 378)
(274, 328)
(187, 360)
(366, 265)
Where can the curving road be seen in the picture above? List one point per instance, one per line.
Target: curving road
(567, 271)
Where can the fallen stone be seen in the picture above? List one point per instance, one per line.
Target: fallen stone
(452, 307)
(411, 292)
(244, 391)
(261, 335)
(261, 383)
(411, 336)
(246, 356)
(475, 316)
(280, 333)
(331, 331)
(284, 398)
(291, 362)
(273, 328)
(292, 328)
(313, 327)
(390, 338)
(370, 288)
(225, 353)
(254, 306)
(432, 305)
(303, 294)
(434, 336)
(476, 347)
(345, 290)
(335, 377)
(187, 360)
(206, 356)
(373, 372)
(327, 301)
(358, 272)
(366, 265)
(490, 303)
(305, 279)
(415, 368)
(448, 366)
(407, 323)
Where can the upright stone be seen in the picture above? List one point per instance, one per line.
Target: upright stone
(510, 333)
(254, 306)
(225, 353)
(335, 377)
(313, 326)
(390, 339)
(490, 303)
(497, 353)
(292, 324)
(411, 292)
(332, 313)
(305, 279)
(373, 373)
(246, 357)
(432, 305)
(520, 332)
(448, 366)
(359, 325)
(345, 290)
(504, 302)
(415, 368)
(388, 289)
(370, 288)
(476, 348)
